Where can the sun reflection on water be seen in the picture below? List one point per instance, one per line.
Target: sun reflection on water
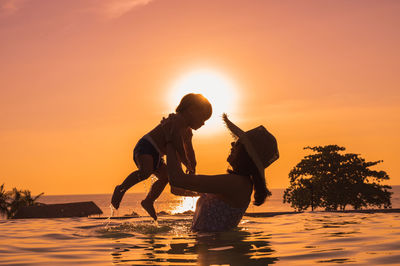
(185, 204)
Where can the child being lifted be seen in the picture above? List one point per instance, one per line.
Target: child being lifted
(191, 113)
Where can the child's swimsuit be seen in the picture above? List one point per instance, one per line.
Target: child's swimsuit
(146, 145)
(213, 214)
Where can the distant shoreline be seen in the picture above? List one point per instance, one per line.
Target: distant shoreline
(145, 192)
(271, 214)
(267, 214)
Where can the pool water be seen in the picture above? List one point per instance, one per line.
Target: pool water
(291, 239)
(296, 239)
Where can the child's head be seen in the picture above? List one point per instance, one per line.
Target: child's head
(196, 108)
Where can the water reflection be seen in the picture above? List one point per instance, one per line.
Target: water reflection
(237, 247)
(184, 204)
(234, 248)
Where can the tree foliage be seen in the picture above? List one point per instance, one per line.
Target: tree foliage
(331, 180)
(4, 199)
(11, 201)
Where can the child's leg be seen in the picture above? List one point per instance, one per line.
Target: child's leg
(156, 190)
(158, 186)
(145, 164)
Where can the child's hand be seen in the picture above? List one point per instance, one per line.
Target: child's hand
(190, 172)
(191, 169)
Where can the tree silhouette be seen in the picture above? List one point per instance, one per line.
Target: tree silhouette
(332, 181)
(4, 199)
(11, 201)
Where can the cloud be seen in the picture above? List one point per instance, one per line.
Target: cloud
(9, 7)
(117, 8)
(109, 8)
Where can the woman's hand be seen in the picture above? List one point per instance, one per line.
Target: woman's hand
(168, 126)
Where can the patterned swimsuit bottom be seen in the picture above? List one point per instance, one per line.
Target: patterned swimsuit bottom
(213, 214)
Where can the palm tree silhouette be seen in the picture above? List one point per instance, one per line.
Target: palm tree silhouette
(4, 199)
(12, 201)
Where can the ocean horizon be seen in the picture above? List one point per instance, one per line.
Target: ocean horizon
(176, 204)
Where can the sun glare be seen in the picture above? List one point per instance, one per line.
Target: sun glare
(218, 89)
(185, 204)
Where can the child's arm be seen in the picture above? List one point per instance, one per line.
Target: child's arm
(180, 148)
(190, 155)
(173, 124)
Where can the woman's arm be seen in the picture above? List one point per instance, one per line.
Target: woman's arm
(187, 143)
(225, 184)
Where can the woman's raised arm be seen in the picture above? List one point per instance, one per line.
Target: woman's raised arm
(221, 184)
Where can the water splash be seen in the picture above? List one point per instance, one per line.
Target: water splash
(108, 220)
(126, 229)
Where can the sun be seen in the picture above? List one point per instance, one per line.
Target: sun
(216, 87)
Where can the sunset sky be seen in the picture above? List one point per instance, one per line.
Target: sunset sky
(82, 81)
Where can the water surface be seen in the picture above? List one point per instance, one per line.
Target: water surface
(294, 239)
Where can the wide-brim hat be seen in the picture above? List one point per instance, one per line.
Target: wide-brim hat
(259, 143)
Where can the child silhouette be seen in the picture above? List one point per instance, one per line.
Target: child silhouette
(191, 113)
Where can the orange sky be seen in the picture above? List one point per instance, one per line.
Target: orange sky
(82, 81)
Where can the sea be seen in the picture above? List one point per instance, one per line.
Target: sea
(308, 238)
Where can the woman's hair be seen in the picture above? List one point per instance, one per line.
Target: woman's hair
(244, 165)
(197, 100)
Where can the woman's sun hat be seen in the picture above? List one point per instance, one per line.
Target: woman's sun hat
(259, 143)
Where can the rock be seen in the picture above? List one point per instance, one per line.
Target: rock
(132, 215)
(161, 213)
(75, 209)
(188, 212)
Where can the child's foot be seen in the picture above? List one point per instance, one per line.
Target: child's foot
(149, 207)
(117, 196)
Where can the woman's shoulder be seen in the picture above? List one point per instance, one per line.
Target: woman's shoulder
(245, 182)
(239, 191)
